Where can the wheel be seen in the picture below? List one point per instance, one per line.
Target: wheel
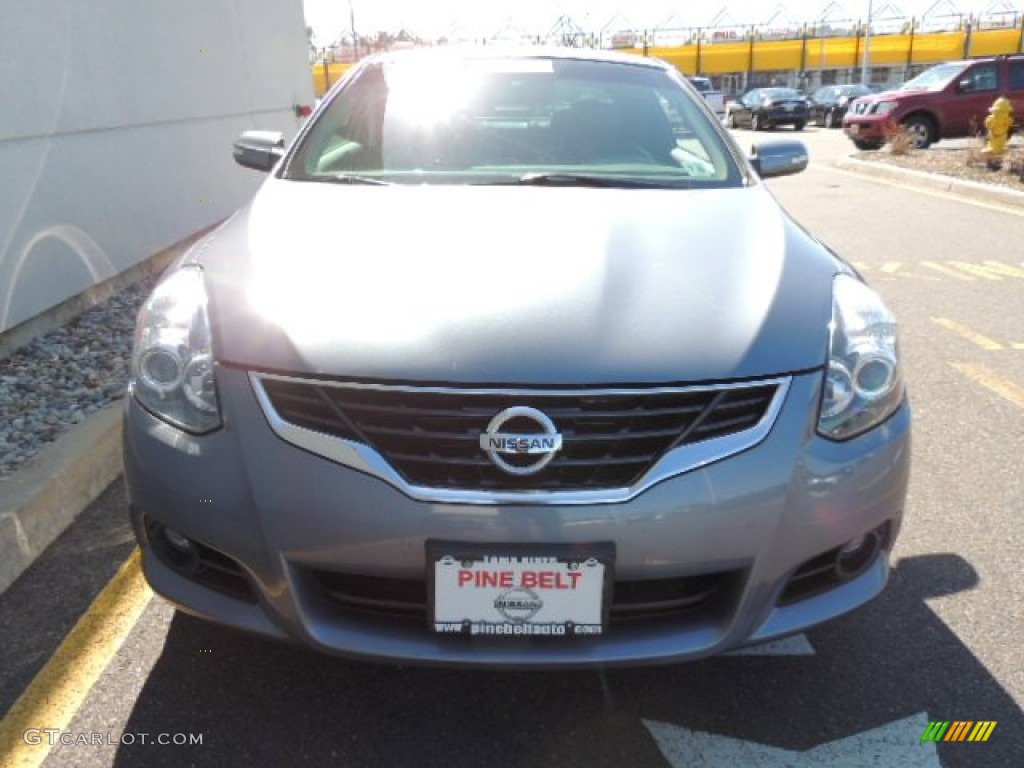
(867, 145)
(920, 128)
(756, 123)
(830, 119)
(798, 125)
(731, 119)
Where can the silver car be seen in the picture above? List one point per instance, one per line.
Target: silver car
(514, 361)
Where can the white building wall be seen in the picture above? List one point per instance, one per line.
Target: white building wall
(116, 124)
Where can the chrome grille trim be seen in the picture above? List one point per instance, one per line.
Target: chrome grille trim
(674, 462)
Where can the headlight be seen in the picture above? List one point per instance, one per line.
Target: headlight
(885, 107)
(172, 363)
(767, 103)
(863, 380)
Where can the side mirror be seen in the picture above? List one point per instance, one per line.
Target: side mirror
(779, 158)
(965, 86)
(259, 150)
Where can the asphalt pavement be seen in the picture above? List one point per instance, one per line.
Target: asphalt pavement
(941, 643)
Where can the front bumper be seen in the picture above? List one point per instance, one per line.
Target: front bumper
(283, 522)
(785, 117)
(872, 128)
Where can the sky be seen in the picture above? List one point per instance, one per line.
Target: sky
(480, 18)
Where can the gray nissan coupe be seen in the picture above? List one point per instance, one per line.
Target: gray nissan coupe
(514, 361)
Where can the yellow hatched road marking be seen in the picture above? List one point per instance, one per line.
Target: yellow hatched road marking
(971, 335)
(999, 268)
(55, 694)
(947, 271)
(958, 270)
(1005, 388)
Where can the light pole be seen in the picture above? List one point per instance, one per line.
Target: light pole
(352, 25)
(866, 62)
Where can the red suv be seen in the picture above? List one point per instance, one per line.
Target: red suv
(946, 101)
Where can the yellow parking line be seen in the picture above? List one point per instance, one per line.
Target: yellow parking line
(993, 382)
(54, 696)
(971, 335)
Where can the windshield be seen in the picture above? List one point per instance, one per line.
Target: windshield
(781, 93)
(445, 120)
(934, 79)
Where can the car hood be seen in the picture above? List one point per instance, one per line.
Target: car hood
(874, 98)
(494, 284)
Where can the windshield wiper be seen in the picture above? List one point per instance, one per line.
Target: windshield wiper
(353, 178)
(581, 180)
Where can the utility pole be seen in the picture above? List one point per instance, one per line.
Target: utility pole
(865, 69)
(352, 25)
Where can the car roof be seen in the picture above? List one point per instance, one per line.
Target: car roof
(495, 52)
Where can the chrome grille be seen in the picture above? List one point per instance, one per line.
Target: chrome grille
(633, 602)
(430, 437)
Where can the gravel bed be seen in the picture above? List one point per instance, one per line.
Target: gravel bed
(962, 161)
(59, 379)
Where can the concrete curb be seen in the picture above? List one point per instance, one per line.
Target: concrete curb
(933, 182)
(44, 496)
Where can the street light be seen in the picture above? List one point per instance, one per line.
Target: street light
(866, 62)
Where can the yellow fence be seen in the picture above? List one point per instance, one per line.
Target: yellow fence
(836, 52)
(327, 74)
(808, 53)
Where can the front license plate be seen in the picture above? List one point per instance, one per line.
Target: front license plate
(520, 591)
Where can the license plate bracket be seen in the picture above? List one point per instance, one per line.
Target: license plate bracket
(519, 590)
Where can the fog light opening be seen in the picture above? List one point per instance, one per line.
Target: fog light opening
(856, 555)
(182, 551)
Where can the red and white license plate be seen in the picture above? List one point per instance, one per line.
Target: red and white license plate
(525, 591)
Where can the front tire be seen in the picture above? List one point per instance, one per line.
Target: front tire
(920, 128)
(798, 126)
(830, 119)
(756, 124)
(867, 146)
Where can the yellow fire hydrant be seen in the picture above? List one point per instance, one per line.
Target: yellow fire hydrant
(998, 124)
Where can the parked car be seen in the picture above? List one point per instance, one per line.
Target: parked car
(514, 361)
(764, 108)
(714, 97)
(946, 101)
(829, 103)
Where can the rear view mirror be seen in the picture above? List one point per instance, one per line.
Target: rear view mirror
(779, 158)
(259, 150)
